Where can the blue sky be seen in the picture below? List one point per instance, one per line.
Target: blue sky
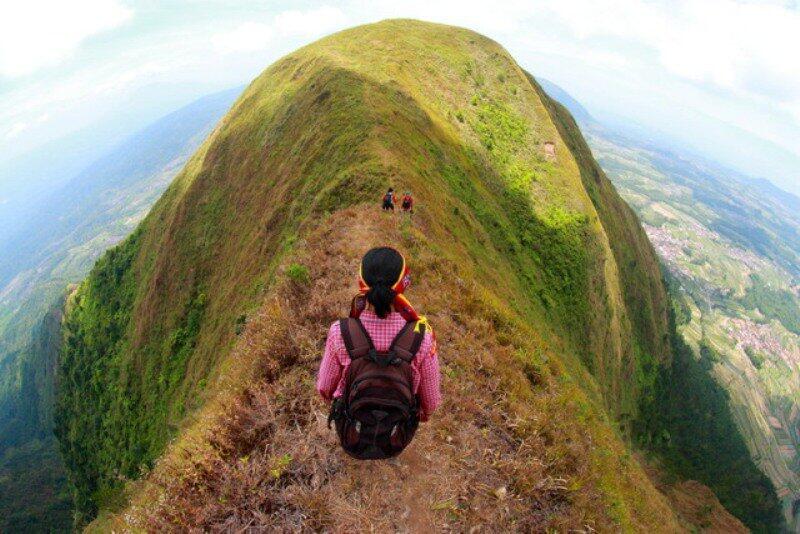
(718, 76)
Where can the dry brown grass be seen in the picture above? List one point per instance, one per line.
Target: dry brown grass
(505, 452)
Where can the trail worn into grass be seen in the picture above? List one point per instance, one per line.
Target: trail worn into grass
(291, 474)
(502, 454)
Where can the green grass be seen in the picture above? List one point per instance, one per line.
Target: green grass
(687, 421)
(298, 273)
(100, 434)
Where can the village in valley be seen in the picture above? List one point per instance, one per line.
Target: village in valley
(738, 291)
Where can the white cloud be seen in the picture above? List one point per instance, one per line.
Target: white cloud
(20, 126)
(309, 23)
(731, 59)
(37, 33)
(745, 48)
(120, 80)
(254, 36)
(16, 129)
(247, 37)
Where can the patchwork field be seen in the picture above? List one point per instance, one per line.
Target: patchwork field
(731, 247)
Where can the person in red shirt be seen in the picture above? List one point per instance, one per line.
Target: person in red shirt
(408, 202)
(385, 316)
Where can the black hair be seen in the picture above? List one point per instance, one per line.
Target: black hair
(390, 190)
(380, 269)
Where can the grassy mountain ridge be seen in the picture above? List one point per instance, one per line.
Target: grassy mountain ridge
(540, 282)
(60, 239)
(517, 446)
(643, 290)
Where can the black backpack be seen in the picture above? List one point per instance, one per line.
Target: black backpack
(378, 413)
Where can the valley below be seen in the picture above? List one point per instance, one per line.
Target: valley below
(731, 246)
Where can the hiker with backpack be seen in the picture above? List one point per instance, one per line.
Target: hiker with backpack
(380, 368)
(408, 203)
(388, 200)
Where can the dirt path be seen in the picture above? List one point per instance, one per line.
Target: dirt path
(412, 467)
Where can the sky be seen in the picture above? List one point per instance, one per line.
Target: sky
(718, 77)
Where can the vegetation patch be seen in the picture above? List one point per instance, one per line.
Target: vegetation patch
(774, 304)
(297, 273)
(687, 422)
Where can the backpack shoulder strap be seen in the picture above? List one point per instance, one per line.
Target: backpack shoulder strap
(407, 342)
(355, 337)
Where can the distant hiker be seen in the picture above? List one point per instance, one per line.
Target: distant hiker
(408, 202)
(388, 200)
(380, 366)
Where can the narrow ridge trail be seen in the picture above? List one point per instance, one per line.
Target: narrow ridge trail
(489, 460)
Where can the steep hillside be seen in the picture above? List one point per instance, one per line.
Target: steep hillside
(207, 323)
(694, 418)
(65, 235)
(29, 460)
(57, 244)
(733, 252)
(730, 245)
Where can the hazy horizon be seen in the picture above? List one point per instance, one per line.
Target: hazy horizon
(101, 69)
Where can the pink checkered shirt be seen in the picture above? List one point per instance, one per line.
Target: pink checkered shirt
(425, 367)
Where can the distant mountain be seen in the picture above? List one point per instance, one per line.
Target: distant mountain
(732, 245)
(28, 179)
(73, 207)
(789, 200)
(56, 244)
(565, 99)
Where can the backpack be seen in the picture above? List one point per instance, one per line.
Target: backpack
(406, 202)
(378, 414)
(388, 198)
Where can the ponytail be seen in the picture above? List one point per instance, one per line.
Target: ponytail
(381, 297)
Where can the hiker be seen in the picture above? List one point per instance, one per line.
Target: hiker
(380, 368)
(408, 203)
(388, 200)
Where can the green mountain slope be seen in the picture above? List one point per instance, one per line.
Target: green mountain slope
(57, 244)
(714, 230)
(544, 291)
(732, 249)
